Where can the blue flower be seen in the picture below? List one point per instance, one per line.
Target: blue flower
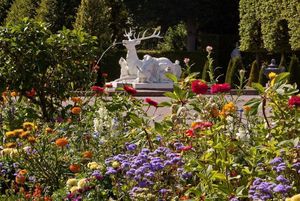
(282, 179)
(276, 161)
(131, 147)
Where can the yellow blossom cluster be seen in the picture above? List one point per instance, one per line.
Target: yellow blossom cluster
(74, 184)
(227, 109)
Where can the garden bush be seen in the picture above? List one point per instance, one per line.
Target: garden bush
(254, 73)
(235, 64)
(45, 67)
(114, 148)
(294, 69)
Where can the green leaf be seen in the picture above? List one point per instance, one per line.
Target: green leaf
(258, 87)
(282, 77)
(165, 104)
(170, 95)
(171, 77)
(218, 176)
(138, 121)
(158, 127)
(253, 103)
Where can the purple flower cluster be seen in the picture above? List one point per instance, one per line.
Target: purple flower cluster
(146, 167)
(278, 164)
(296, 166)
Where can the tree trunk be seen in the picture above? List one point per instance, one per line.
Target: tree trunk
(191, 26)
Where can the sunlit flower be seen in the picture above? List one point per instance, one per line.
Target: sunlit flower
(82, 183)
(94, 166)
(246, 108)
(272, 75)
(97, 89)
(10, 134)
(61, 142)
(49, 130)
(10, 145)
(31, 139)
(23, 172)
(14, 94)
(294, 101)
(151, 102)
(199, 87)
(20, 179)
(190, 133)
(110, 85)
(71, 182)
(24, 134)
(76, 110)
(201, 125)
(228, 109)
(74, 168)
(74, 189)
(129, 89)
(209, 49)
(87, 154)
(29, 125)
(8, 152)
(220, 88)
(76, 99)
(186, 61)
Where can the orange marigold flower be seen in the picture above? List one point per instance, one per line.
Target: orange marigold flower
(76, 110)
(74, 168)
(76, 99)
(23, 172)
(61, 142)
(10, 134)
(24, 134)
(87, 154)
(49, 130)
(14, 94)
(10, 145)
(31, 139)
(247, 108)
(20, 179)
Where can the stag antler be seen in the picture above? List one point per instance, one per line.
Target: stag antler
(155, 34)
(128, 35)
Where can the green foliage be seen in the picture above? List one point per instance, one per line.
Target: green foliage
(294, 69)
(48, 12)
(21, 9)
(4, 7)
(93, 17)
(174, 39)
(254, 73)
(31, 57)
(234, 66)
(269, 25)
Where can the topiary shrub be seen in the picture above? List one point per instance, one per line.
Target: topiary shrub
(294, 69)
(262, 78)
(254, 73)
(4, 8)
(42, 66)
(235, 64)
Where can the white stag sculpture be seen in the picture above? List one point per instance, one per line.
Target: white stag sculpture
(150, 69)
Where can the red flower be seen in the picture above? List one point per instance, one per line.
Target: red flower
(31, 93)
(190, 133)
(294, 101)
(97, 89)
(110, 85)
(129, 89)
(220, 88)
(151, 102)
(202, 125)
(199, 87)
(186, 148)
(104, 74)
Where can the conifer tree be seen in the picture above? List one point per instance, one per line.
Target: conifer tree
(48, 11)
(21, 9)
(93, 17)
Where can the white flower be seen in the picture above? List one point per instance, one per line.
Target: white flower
(209, 49)
(103, 121)
(242, 135)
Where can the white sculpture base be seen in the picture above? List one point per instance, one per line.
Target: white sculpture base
(150, 86)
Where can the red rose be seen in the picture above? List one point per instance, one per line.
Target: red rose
(199, 87)
(130, 90)
(31, 93)
(151, 102)
(294, 101)
(220, 88)
(97, 89)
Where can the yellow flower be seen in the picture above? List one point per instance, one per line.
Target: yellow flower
(94, 166)
(9, 152)
(31, 139)
(72, 182)
(82, 183)
(29, 125)
(247, 108)
(272, 75)
(24, 134)
(11, 134)
(74, 189)
(10, 145)
(296, 198)
(49, 130)
(228, 108)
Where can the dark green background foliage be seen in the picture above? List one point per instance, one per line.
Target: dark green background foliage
(53, 64)
(294, 69)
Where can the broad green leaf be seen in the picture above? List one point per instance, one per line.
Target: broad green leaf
(158, 127)
(171, 77)
(170, 95)
(258, 87)
(218, 175)
(282, 77)
(138, 121)
(165, 104)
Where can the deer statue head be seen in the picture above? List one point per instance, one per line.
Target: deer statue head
(133, 40)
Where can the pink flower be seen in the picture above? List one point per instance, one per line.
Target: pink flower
(186, 61)
(199, 87)
(202, 125)
(104, 74)
(294, 101)
(129, 89)
(151, 102)
(97, 89)
(190, 133)
(186, 148)
(220, 88)
(209, 49)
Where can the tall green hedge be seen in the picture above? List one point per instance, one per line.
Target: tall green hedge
(48, 12)
(268, 24)
(235, 64)
(254, 73)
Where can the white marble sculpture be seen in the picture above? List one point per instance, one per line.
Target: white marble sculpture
(148, 70)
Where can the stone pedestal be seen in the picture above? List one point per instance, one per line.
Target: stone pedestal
(145, 86)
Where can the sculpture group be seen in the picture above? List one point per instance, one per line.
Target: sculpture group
(149, 69)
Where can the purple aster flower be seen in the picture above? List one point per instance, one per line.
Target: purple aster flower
(234, 199)
(280, 167)
(163, 191)
(296, 165)
(282, 188)
(110, 170)
(276, 160)
(186, 175)
(131, 147)
(282, 179)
